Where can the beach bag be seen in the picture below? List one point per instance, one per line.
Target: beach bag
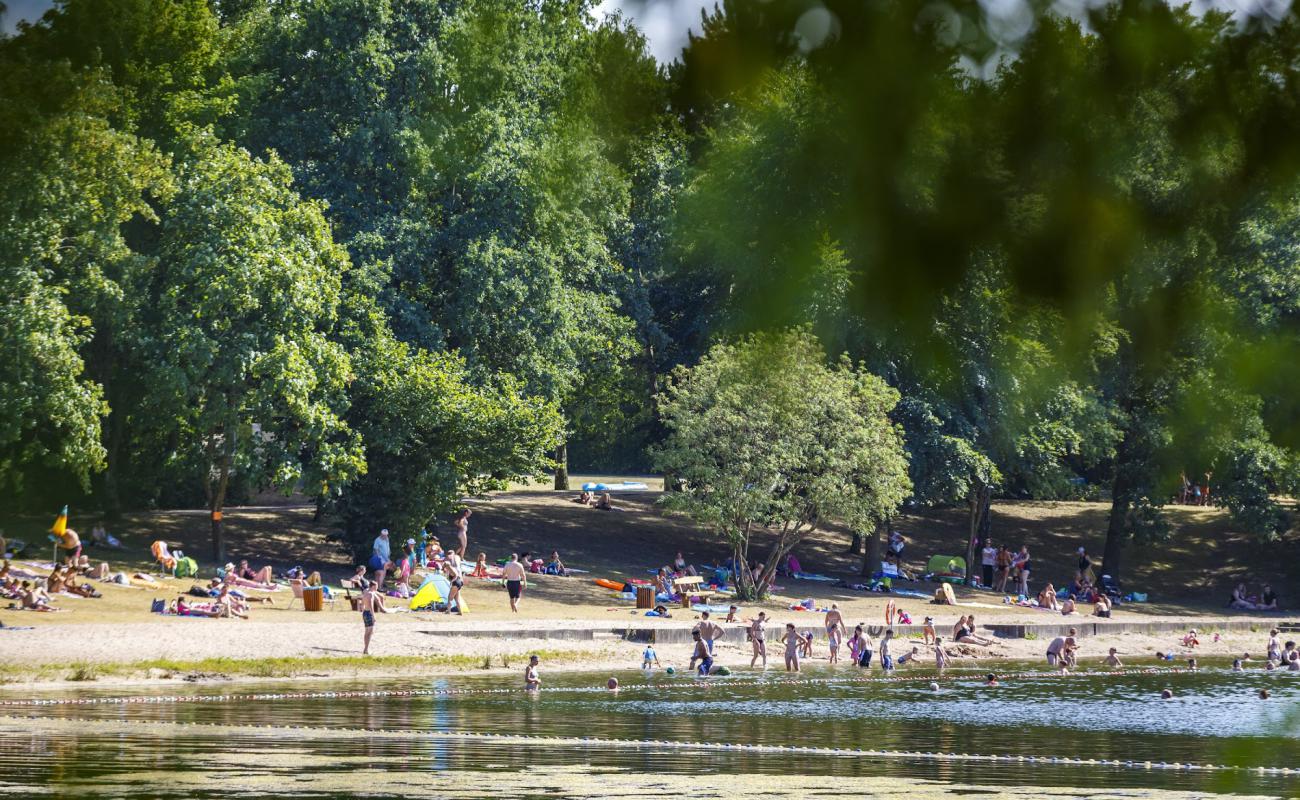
(157, 606)
(186, 567)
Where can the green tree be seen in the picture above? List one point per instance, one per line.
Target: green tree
(768, 437)
(245, 299)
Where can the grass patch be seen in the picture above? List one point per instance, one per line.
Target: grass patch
(286, 667)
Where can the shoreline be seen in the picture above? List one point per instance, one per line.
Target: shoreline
(425, 653)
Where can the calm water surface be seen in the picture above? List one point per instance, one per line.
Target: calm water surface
(1215, 718)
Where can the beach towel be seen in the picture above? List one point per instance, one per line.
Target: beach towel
(809, 576)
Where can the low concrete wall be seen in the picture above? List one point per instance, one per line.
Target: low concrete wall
(1090, 627)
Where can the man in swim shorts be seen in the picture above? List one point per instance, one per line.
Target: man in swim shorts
(516, 579)
(886, 658)
(701, 654)
(371, 601)
(708, 630)
(1058, 651)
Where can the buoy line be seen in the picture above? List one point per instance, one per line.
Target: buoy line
(691, 684)
(660, 744)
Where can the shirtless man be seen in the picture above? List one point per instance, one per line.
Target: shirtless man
(758, 637)
(701, 654)
(835, 631)
(371, 601)
(532, 681)
(708, 630)
(1112, 659)
(1058, 651)
(516, 578)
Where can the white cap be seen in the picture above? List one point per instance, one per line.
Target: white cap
(1081, 551)
(410, 541)
(383, 532)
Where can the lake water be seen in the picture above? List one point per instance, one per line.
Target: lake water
(666, 735)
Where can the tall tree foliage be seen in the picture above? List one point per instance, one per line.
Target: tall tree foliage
(769, 439)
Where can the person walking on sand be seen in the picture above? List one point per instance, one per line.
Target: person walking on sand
(371, 601)
(452, 568)
(791, 640)
(532, 680)
(758, 638)
(462, 530)
(516, 578)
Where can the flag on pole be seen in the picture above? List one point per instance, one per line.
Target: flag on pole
(61, 523)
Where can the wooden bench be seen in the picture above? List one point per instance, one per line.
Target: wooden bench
(684, 587)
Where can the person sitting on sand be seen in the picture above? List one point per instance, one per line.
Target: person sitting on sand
(480, 567)
(1102, 607)
(1191, 640)
(34, 598)
(1067, 607)
(230, 605)
(555, 566)
(1047, 598)
(1239, 599)
(681, 567)
(1267, 599)
(965, 634)
(604, 503)
(262, 576)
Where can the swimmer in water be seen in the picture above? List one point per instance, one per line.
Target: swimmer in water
(991, 680)
(934, 686)
(1263, 694)
(1236, 665)
(532, 681)
(1191, 663)
(1166, 694)
(1112, 660)
(612, 684)
(941, 659)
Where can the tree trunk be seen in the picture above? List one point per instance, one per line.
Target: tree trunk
(1121, 502)
(871, 554)
(855, 546)
(562, 467)
(979, 510)
(217, 485)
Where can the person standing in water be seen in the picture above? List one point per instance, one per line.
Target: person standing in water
(886, 658)
(758, 637)
(701, 654)
(835, 631)
(516, 579)
(371, 601)
(708, 630)
(791, 640)
(462, 530)
(532, 680)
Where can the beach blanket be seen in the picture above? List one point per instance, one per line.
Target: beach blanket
(712, 608)
(912, 593)
(811, 576)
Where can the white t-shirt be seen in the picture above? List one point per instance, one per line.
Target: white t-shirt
(990, 556)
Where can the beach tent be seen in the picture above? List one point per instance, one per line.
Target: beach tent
(947, 568)
(435, 589)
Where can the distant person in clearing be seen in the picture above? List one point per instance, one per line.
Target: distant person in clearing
(462, 530)
(371, 601)
(792, 640)
(516, 578)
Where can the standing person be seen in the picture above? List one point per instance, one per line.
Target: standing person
(516, 578)
(708, 630)
(381, 556)
(701, 654)
(1004, 568)
(1021, 564)
(1085, 573)
(462, 530)
(532, 680)
(791, 640)
(989, 561)
(1058, 652)
(941, 659)
(1274, 648)
(758, 637)
(886, 659)
(835, 631)
(452, 567)
(371, 601)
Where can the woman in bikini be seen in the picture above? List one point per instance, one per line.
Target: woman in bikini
(758, 638)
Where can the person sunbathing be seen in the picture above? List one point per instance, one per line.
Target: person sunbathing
(480, 567)
(585, 498)
(232, 579)
(555, 566)
(263, 575)
(230, 604)
(1047, 598)
(185, 608)
(34, 598)
(964, 633)
(604, 503)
